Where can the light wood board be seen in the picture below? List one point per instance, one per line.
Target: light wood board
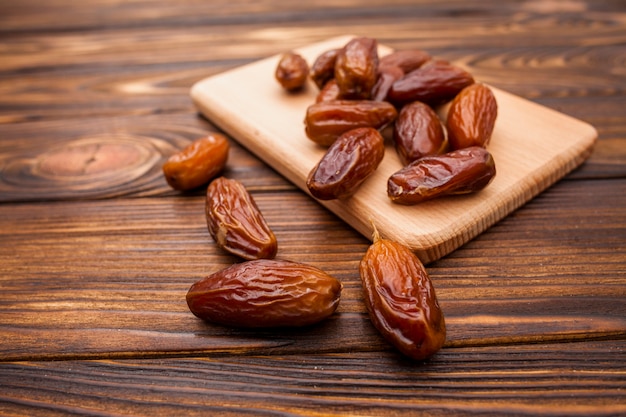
(533, 147)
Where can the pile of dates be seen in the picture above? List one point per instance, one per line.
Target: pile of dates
(360, 94)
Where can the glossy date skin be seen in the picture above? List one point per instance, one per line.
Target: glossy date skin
(327, 120)
(433, 83)
(356, 68)
(418, 132)
(406, 59)
(292, 71)
(323, 68)
(265, 293)
(401, 299)
(349, 161)
(197, 163)
(236, 223)
(472, 117)
(458, 172)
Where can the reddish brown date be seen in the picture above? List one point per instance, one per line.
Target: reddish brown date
(292, 71)
(348, 162)
(406, 59)
(418, 132)
(356, 68)
(433, 83)
(265, 293)
(323, 68)
(330, 92)
(401, 299)
(236, 223)
(386, 77)
(326, 121)
(472, 117)
(458, 172)
(197, 163)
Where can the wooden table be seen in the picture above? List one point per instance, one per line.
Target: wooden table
(97, 252)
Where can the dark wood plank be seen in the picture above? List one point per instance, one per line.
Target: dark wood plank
(538, 380)
(77, 274)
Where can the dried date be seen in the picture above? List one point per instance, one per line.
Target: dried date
(472, 117)
(406, 59)
(265, 293)
(323, 68)
(236, 223)
(458, 172)
(356, 68)
(401, 299)
(197, 163)
(326, 121)
(292, 71)
(433, 83)
(418, 132)
(348, 162)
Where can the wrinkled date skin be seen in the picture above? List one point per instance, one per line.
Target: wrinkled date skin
(458, 172)
(330, 92)
(401, 299)
(418, 132)
(265, 293)
(197, 163)
(406, 59)
(326, 121)
(472, 117)
(323, 68)
(433, 83)
(292, 71)
(356, 68)
(348, 162)
(236, 223)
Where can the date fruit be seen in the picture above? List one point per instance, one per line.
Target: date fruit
(323, 68)
(401, 299)
(327, 120)
(356, 68)
(329, 92)
(348, 162)
(472, 117)
(386, 77)
(197, 163)
(292, 71)
(458, 172)
(265, 293)
(433, 83)
(236, 223)
(406, 59)
(418, 132)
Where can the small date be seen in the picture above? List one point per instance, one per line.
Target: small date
(356, 68)
(292, 71)
(197, 163)
(458, 172)
(265, 293)
(236, 223)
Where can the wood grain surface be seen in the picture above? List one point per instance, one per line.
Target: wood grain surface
(97, 252)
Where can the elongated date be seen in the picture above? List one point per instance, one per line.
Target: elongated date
(472, 117)
(401, 299)
(348, 162)
(327, 120)
(418, 132)
(235, 221)
(197, 163)
(458, 172)
(356, 67)
(433, 83)
(265, 293)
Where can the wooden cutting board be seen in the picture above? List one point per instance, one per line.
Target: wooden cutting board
(533, 147)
